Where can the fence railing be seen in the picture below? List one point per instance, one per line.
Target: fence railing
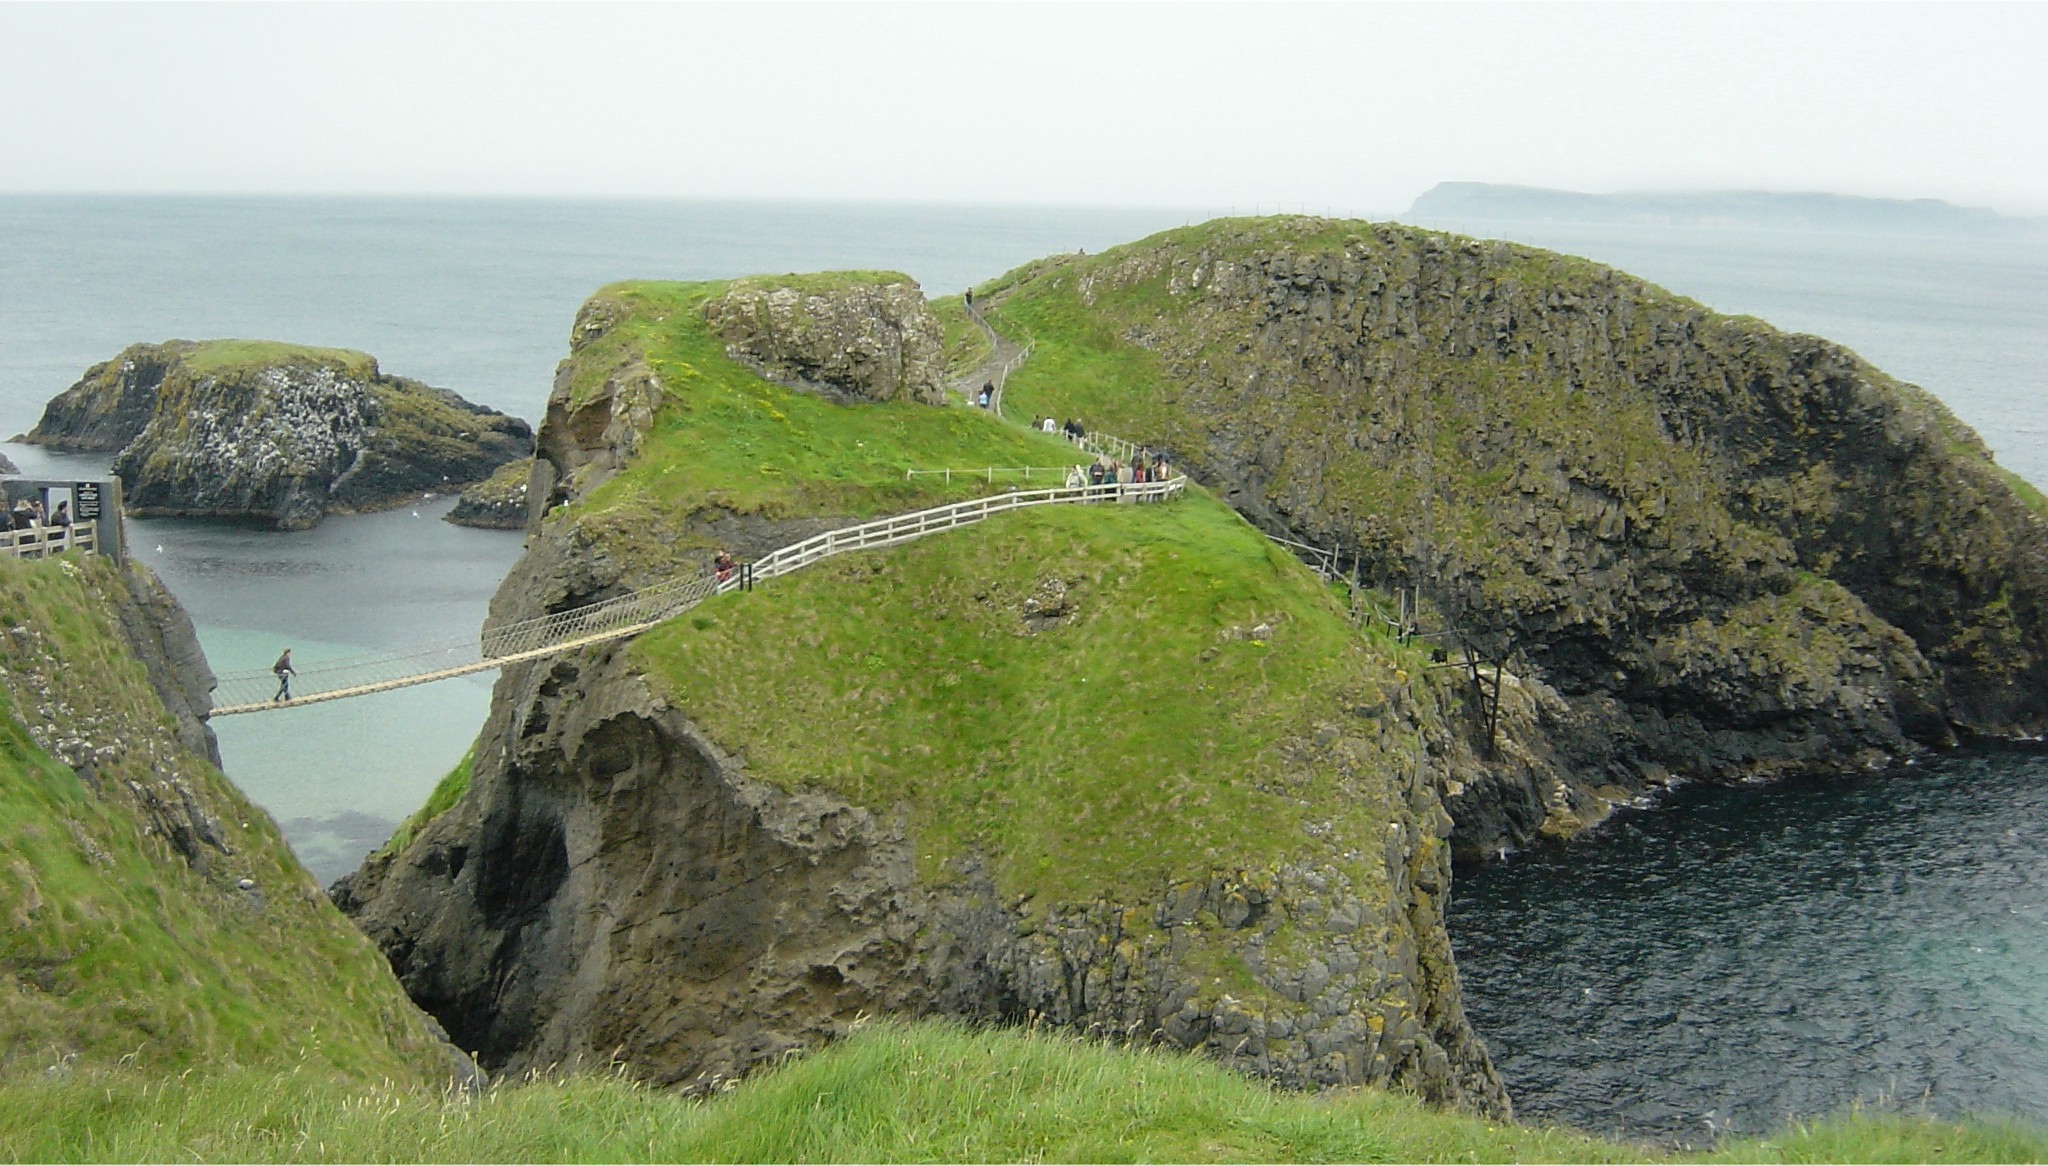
(991, 473)
(255, 690)
(39, 542)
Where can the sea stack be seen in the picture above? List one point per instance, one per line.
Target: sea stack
(279, 433)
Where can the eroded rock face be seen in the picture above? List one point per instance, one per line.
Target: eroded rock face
(614, 885)
(857, 341)
(286, 437)
(1705, 548)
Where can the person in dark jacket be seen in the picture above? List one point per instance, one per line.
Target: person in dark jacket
(285, 672)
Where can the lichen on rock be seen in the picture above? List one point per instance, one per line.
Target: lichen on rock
(499, 502)
(278, 433)
(856, 336)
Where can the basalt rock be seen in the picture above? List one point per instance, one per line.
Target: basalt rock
(616, 888)
(863, 340)
(274, 433)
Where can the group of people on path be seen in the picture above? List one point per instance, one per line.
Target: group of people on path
(28, 516)
(1108, 471)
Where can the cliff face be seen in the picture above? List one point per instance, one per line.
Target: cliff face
(275, 432)
(862, 341)
(153, 916)
(887, 784)
(1702, 547)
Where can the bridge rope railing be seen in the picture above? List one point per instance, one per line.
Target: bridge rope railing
(257, 690)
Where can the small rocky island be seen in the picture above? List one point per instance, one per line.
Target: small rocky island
(281, 433)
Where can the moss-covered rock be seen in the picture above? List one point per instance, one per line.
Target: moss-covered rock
(275, 432)
(1721, 550)
(499, 502)
(863, 336)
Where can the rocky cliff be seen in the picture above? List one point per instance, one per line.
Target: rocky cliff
(1125, 770)
(153, 916)
(280, 433)
(1692, 545)
(861, 336)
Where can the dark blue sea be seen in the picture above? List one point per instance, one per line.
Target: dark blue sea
(1716, 963)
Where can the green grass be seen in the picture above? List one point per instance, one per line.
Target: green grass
(891, 1093)
(446, 793)
(1133, 743)
(114, 950)
(725, 439)
(219, 356)
(966, 344)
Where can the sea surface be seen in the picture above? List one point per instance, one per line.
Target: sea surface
(1717, 962)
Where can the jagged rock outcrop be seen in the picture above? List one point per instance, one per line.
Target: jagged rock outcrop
(498, 502)
(617, 882)
(1702, 547)
(871, 339)
(280, 433)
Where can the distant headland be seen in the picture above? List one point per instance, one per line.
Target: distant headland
(1724, 208)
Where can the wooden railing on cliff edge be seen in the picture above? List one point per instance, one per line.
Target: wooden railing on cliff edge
(628, 615)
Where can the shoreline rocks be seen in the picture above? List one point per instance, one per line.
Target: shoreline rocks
(276, 433)
(496, 503)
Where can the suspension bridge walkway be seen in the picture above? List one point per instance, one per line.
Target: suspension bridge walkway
(258, 690)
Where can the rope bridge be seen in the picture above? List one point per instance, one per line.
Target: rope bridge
(258, 690)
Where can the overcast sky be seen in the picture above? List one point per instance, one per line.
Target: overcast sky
(1349, 108)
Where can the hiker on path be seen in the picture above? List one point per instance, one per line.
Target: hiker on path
(285, 672)
(723, 564)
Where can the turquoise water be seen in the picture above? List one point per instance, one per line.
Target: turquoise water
(1717, 964)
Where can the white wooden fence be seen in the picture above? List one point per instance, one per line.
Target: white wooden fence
(258, 690)
(41, 542)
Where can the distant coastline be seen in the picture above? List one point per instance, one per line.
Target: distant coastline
(1728, 208)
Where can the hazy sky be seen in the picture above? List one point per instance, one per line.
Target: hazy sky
(1323, 106)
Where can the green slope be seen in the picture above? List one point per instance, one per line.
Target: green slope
(725, 438)
(116, 950)
(890, 1093)
(1136, 740)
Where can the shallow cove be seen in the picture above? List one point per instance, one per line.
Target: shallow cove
(1738, 955)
